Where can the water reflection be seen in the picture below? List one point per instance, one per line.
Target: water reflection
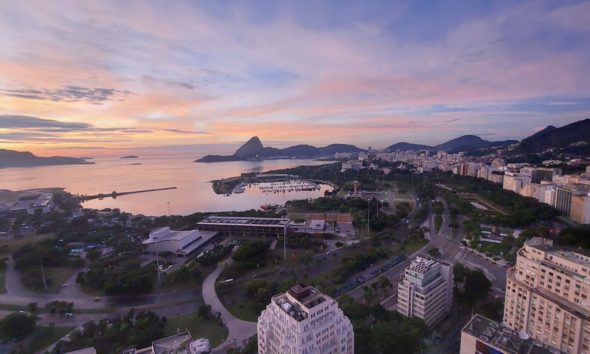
(193, 193)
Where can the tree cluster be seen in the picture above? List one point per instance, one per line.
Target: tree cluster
(379, 331)
(115, 335)
(119, 276)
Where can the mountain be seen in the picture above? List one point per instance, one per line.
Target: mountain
(466, 143)
(463, 141)
(11, 158)
(403, 146)
(552, 137)
(253, 149)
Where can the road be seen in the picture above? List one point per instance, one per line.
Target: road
(451, 251)
(17, 294)
(239, 330)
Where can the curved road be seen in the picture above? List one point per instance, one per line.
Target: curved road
(239, 330)
(17, 294)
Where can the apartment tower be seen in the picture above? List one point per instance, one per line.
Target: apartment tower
(547, 296)
(304, 321)
(426, 291)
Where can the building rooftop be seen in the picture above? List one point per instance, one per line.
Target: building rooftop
(165, 234)
(503, 338)
(423, 264)
(573, 254)
(174, 344)
(298, 300)
(244, 221)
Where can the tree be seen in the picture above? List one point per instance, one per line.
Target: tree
(17, 326)
(477, 286)
(204, 311)
(32, 307)
(434, 252)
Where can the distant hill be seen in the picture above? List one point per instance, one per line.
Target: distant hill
(570, 136)
(466, 143)
(472, 141)
(11, 158)
(130, 157)
(253, 149)
(403, 146)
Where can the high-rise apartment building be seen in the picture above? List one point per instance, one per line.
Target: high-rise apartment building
(563, 199)
(547, 296)
(580, 210)
(482, 335)
(304, 321)
(426, 291)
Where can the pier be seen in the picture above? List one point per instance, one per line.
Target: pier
(115, 194)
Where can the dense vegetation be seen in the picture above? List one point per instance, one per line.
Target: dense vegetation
(379, 331)
(17, 326)
(471, 286)
(575, 237)
(117, 334)
(251, 254)
(30, 259)
(119, 276)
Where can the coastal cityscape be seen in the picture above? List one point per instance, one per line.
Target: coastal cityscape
(295, 177)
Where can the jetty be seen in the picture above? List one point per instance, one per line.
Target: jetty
(115, 194)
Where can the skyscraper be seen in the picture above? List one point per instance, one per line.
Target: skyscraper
(303, 320)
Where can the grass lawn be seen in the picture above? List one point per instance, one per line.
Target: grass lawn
(8, 247)
(244, 310)
(198, 327)
(58, 276)
(43, 337)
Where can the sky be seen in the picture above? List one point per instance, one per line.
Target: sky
(91, 77)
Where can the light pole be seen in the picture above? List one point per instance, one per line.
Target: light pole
(285, 241)
(368, 217)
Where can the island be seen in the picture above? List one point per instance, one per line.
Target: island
(130, 157)
(254, 150)
(11, 158)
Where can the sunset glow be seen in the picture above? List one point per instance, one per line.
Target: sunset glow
(89, 77)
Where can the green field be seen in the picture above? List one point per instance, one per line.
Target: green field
(58, 276)
(244, 310)
(198, 327)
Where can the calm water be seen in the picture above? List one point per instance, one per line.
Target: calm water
(193, 193)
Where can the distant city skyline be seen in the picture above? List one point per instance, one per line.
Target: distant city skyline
(86, 78)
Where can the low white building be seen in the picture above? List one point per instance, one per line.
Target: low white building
(180, 242)
(303, 320)
(426, 291)
(180, 343)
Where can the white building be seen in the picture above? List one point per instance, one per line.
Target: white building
(426, 291)
(180, 242)
(180, 343)
(304, 321)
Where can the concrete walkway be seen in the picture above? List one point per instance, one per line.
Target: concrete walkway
(239, 330)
